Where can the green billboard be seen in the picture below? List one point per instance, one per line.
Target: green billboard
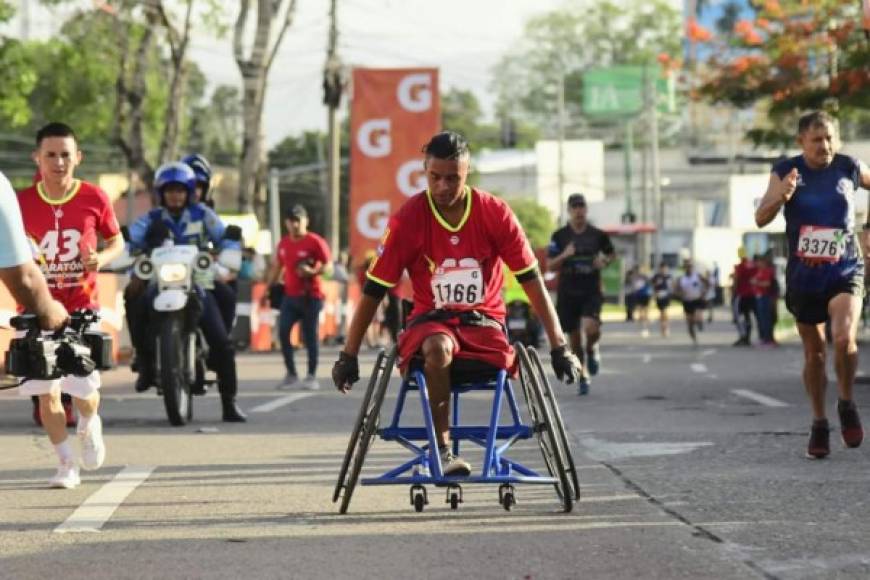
(618, 91)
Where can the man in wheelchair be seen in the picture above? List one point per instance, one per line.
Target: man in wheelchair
(452, 240)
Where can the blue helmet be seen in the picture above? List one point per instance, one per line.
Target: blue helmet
(175, 172)
(202, 168)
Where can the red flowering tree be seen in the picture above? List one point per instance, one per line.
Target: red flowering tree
(794, 55)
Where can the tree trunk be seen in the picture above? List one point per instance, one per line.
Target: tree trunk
(254, 69)
(178, 43)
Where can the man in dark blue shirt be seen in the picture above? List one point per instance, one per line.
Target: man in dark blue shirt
(825, 271)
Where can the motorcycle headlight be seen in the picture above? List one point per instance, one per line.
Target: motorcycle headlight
(171, 273)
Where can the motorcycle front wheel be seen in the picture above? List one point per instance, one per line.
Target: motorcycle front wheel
(176, 390)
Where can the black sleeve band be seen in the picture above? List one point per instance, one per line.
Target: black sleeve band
(529, 275)
(373, 289)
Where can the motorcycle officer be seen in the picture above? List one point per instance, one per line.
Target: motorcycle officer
(185, 222)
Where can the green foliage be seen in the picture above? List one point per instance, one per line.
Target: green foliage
(535, 220)
(461, 112)
(7, 11)
(792, 56)
(573, 39)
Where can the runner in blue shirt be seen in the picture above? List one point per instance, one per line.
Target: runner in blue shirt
(825, 271)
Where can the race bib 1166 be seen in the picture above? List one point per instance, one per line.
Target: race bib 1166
(458, 285)
(821, 243)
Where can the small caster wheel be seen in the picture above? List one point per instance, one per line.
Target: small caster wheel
(508, 500)
(419, 498)
(454, 501)
(454, 496)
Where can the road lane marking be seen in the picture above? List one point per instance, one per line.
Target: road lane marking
(759, 398)
(99, 507)
(708, 352)
(603, 450)
(280, 402)
(699, 367)
(646, 358)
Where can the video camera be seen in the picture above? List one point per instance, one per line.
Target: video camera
(73, 350)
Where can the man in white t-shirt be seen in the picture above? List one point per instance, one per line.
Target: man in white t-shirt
(691, 289)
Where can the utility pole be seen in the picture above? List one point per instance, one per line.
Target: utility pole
(651, 103)
(332, 89)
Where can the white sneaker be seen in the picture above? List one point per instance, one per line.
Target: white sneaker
(453, 464)
(93, 448)
(310, 383)
(287, 382)
(67, 476)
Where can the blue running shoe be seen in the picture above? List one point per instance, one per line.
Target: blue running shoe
(593, 360)
(583, 386)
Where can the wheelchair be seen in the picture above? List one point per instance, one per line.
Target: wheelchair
(424, 468)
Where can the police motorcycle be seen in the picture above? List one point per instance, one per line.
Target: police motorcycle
(168, 290)
(177, 277)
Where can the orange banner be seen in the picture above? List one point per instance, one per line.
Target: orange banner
(394, 112)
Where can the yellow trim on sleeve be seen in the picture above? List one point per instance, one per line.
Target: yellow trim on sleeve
(524, 270)
(71, 193)
(379, 281)
(442, 221)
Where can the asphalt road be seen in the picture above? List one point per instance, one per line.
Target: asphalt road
(691, 464)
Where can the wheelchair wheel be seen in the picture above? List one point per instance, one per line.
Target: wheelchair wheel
(544, 429)
(559, 423)
(368, 429)
(357, 428)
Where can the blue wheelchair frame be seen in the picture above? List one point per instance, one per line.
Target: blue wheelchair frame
(496, 467)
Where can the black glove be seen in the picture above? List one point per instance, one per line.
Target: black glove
(157, 233)
(345, 371)
(566, 364)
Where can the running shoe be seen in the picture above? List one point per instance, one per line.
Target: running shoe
(67, 476)
(850, 424)
(593, 360)
(287, 382)
(93, 448)
(310, 383)
(819, 445)
(583, 386)
(453, 465)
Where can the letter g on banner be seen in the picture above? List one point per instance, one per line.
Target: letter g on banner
(415, 92)
(411, 177)
(372, 218)
(373, 138)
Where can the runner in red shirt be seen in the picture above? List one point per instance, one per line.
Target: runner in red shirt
(743, 300)
(63, 218)
(452, 240)
(303, 256)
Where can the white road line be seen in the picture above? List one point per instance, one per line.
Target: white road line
(708, 352)
(699, 367)
(280, 402)
(99, 507)
(646, 358)
(759, 398)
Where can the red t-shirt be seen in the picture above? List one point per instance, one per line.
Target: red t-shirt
(743, 274)
(762, 282)
(309, 248)
(62, 231)
(456, 268)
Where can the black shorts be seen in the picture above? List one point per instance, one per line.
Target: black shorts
(745, 304)
(812, 307)
(572, 308)
(641, 300)
(692, 306)
(663, 303)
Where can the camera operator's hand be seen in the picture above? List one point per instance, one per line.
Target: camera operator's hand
(345, 371)
(91, 259)
(566, 365)
(54, 317)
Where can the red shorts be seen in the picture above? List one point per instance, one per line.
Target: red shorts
(483, 343)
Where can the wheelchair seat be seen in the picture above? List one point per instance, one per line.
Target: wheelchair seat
(464, 370)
